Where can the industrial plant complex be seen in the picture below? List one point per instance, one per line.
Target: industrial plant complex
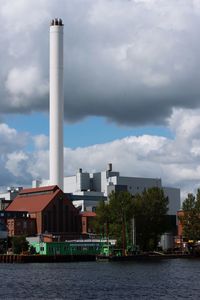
(60, 209)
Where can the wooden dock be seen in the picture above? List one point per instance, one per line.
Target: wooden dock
(21, 258)
(17, 258)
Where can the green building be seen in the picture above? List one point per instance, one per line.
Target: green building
(69, 248)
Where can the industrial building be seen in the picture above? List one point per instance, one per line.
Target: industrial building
(51, 211)
(8, 196)
(87, 189)
(16, 223)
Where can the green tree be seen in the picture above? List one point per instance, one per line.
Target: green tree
(121, 208)
(103, 219)
(190, 219)
(113, 218)
(150, 209)
(19, 244)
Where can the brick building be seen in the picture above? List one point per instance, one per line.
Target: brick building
(21, 226)
(50, 208)
(87, 218)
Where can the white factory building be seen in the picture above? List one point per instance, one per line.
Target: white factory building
(8, 196)
(87, 189)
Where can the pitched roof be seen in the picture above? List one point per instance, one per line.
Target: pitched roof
(38, 189)
(34, 200)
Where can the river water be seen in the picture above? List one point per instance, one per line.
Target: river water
(163, 279)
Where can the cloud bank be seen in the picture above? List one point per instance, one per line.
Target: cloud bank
(131, 62)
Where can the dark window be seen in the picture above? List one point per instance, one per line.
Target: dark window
(66, 218)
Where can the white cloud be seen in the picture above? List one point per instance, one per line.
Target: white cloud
(11, 139)
(24, 83)
(41, 141)
(14, 11)
(16, 163)
(38, 165)
(120, 57)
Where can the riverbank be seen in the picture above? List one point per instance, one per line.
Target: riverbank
(146, 256)
(15, 258)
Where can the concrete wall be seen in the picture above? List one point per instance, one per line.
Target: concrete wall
(70, 184)
(96, 181)
(77, 183)
(174, 199)
(137, 185)
(83, 181)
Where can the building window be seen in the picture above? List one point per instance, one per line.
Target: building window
(24, 225)
(66, 218)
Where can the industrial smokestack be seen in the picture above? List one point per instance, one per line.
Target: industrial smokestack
(56, 103)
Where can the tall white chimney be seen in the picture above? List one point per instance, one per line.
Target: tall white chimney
(56, 103)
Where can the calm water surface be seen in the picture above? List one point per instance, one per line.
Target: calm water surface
(165, 279)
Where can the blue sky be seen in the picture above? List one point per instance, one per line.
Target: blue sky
(132, 92)
(90, 131)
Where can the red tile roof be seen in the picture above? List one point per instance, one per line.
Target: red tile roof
(34, 200)
(88, 214)
(39, 189)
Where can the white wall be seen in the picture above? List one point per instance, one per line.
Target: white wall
(70, 184)
(77, 183)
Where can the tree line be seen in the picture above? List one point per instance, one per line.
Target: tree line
(148, 212)
(190, 217)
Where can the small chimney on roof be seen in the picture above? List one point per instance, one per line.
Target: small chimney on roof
(109, 168)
